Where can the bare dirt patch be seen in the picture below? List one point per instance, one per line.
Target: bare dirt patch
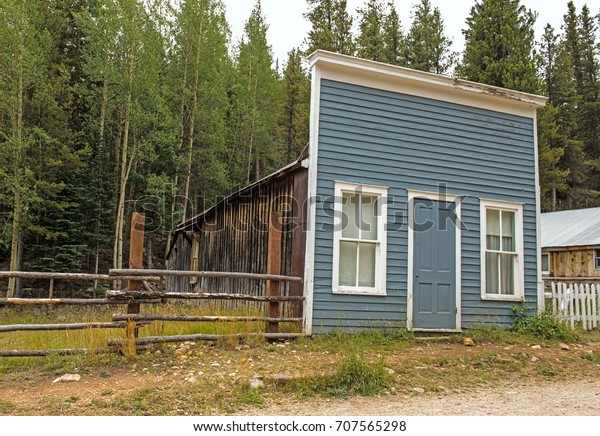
(424, 379)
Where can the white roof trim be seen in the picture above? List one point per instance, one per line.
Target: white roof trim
(408, 81)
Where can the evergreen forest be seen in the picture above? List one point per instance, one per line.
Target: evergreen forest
(110, 106)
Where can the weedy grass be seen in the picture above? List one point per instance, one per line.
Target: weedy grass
(544, 326)
(355, 375)
(92, 339)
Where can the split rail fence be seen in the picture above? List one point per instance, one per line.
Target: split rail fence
(576, 303)
(139, 292)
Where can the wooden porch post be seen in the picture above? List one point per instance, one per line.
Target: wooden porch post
(136, 261)
(273, 267)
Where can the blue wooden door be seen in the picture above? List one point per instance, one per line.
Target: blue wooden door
(434, 265)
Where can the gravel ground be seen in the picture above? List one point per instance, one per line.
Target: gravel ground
(562, 398)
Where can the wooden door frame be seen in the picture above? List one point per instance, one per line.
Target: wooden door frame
(433, 196)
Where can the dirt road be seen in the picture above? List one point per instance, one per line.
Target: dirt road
(549, 399)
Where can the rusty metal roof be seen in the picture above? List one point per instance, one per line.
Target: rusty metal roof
(571, 228)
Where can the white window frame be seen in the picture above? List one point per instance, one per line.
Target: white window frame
(545, 272)
(381, 250)
(597, 259)
(519, 267)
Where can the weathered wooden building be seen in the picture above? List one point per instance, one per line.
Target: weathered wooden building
(571, 243)
(422, 211)
(233, 234)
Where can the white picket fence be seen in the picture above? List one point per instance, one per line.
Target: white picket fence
(576, 302)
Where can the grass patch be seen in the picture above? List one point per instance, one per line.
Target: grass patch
(354, 376)
(336, 341)
(6, 407)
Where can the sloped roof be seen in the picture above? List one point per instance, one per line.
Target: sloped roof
(571, 228)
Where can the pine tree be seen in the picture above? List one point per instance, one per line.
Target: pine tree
(394, 41)
(257, 99)
(370, 42)
(331, 27)
(427, 48)
(294, 117)
(35, 148)
(579, 106)
(499, 46)
(200, 71)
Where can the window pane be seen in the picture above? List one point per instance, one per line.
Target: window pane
(493, 229)
(369, 218)
(597, 264)
(366, 269)
(507, 274)
(350, 216)
(491, 273)
(545, 262)
(348, 263)
(508, 231)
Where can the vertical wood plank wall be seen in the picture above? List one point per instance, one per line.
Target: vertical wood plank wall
(234, 238)
(576, 262)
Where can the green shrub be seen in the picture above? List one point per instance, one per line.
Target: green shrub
(544, 326)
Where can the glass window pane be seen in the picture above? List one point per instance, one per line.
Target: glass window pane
(366, 269)
(507, 274)
(348, 263)
(491, 273)
(493, 229)
(508, 231)
(350, 216)
(369, 218)
(545, 262)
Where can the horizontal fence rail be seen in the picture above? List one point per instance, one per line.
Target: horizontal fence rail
(74, 276)
(68, 302)
(141, 295)
(576, 303)
(140, 274)
(131, 322)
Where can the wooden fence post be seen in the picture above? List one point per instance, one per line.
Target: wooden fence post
(136, 261)
(273, 267)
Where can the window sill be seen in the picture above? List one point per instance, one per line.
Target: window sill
(360, 291)
(515, 298)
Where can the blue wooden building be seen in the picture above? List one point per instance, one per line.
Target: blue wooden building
(421, 204)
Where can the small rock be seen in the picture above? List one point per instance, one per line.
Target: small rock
(191, 379)
(158, 352)
(468, 342)
(589, 353)
(390, 371)
(282, 379)
(536, 347)
(256, 383)
(215, 365)
(68, 378)
(420, 368)
(419, 390)
(564, 347)
(534, 359)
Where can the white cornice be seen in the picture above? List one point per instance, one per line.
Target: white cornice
(407, 81)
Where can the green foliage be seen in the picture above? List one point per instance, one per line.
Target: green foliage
(394, 41)
(499, 46)
(331, 27)
(427, 48)
(353, 376)
(256, 101)
(294, 116)
(544, 326)
(370, 41)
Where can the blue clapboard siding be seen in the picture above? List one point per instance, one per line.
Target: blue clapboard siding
(406, 143)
